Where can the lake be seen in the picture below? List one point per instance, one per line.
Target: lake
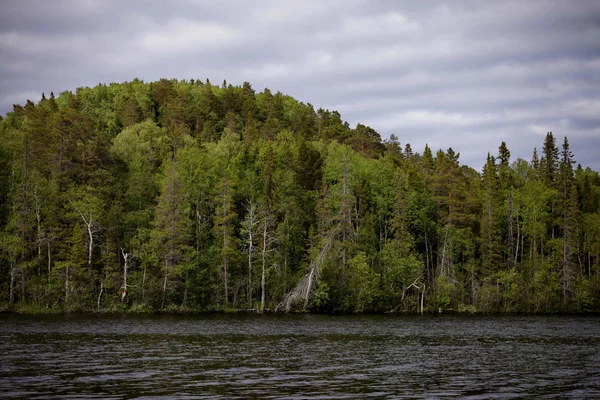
(299, 356)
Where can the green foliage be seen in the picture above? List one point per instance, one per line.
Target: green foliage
(363, 282)
(442, 295)
(166, 171)
(321, 298)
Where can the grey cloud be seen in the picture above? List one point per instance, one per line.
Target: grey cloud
(461, 74)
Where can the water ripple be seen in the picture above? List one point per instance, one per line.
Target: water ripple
(303, 356)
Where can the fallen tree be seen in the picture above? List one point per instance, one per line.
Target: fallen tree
(304, 290)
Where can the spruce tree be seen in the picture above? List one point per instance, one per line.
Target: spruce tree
(569, 208)
(490, 227)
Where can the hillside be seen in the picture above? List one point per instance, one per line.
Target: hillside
(186, 196)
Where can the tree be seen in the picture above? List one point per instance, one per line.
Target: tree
(224, 221)
(249, 230)
(127, 258)
(89, 208)
(363, 283)
(490, 229)
(266, 242)
(549, 161)
(172, 227)
(504, 174)
(226, 196)
(366, 141)
(569, 207)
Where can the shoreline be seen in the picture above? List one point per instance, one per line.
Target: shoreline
(46, 312)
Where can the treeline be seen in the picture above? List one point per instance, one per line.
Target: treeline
(187, 196)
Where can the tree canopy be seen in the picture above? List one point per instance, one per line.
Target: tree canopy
(185, 196)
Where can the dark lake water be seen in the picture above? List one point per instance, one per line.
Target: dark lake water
(299, 356)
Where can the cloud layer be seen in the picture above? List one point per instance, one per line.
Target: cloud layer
(460, 74)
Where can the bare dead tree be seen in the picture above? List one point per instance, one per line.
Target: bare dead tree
(92, 228)
(421, 290)
(127, 257)
(249, 228)
(267, 242)
(100, 295)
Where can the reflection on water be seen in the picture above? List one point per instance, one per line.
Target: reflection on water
(299, 356)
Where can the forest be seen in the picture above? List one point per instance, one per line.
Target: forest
(184, 196)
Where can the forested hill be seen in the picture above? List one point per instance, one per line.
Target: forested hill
(186, 196)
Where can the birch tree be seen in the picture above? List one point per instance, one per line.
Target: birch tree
(89, 208)
(127, 258)
(249, 230)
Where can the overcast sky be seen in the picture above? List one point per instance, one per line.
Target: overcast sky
(465, 74)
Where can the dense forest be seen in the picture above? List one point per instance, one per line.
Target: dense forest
(186, 196)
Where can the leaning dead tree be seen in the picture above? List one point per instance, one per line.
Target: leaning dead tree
(306, 287)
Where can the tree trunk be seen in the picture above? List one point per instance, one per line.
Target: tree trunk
(165, 284)
(250, 229)
(422, 297)
(249, 295)
(49, 259)
(67, 284)
(309, 287)
(443, 270)
(100, 295)
(90, 247)
(285, 274)
(511, 239)
(225, 257)
(90, 229)
(38, 219)
(144, 285)
(304, 288)
(23, 286)
(522, 245)
(126, 258)
(225, 261)
(185, 290)
(566, 272)
(48, 277)
(264, 262)
(518, 240)
(12, 283)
